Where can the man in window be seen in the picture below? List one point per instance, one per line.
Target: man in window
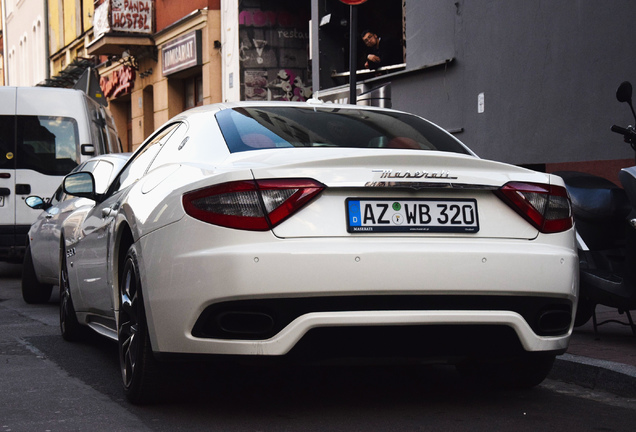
(381, 51)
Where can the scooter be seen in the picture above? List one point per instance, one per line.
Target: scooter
(605, 221)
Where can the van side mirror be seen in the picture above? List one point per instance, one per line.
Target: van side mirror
(88, 149)
(81, 184)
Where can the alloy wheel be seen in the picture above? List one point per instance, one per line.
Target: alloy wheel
(129, 325)
(65, 295)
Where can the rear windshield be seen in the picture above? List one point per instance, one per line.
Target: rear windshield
(254, 128)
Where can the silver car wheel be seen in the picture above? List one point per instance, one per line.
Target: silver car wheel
(137, 363)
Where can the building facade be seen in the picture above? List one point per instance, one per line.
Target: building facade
(157, 58)
(528, 83)
(25, 42)
(70, 30)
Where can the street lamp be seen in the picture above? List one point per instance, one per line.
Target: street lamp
(353, 44)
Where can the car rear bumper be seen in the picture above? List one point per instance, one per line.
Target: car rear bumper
(182, 283)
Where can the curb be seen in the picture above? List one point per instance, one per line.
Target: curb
(612, 377)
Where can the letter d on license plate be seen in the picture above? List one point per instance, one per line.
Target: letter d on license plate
(366, 215)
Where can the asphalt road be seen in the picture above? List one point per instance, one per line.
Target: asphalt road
(47, 384)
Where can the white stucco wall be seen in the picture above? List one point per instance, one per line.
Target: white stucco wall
(25, 36)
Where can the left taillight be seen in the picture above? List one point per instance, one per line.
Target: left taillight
(254, 205)
(546, 207)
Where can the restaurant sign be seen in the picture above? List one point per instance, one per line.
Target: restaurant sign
(119, 83)
(181, 53)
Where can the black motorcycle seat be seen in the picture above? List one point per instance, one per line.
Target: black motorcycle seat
(594, 197)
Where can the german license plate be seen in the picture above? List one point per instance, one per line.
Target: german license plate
(411, 215)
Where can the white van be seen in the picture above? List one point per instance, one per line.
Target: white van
(44, 133)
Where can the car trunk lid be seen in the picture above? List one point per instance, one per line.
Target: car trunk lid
(401, 180)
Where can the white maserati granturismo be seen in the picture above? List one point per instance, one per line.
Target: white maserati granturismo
(309, 231)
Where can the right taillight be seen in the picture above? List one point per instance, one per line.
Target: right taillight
(254, 205)
(546, 207)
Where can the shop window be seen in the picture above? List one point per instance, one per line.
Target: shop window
(381, 20)
(273, 50)
(149, 111)
(193, 92)
(129, 141)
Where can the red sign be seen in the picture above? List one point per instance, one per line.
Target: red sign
(120, 82)
(353, 2)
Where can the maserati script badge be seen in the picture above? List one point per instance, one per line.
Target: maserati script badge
(390, 174)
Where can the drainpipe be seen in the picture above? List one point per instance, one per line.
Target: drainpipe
(47, 45)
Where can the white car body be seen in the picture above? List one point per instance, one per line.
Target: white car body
(195, 274)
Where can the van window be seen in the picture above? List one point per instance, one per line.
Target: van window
(46, 144)
(7, 140)
(100, 139)
(114, 145)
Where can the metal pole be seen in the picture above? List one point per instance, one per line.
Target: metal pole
(353, 45)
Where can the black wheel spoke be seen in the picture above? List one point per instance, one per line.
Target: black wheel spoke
(130, 310)
(138, 367)
(129, 305)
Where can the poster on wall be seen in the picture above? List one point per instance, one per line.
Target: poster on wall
(274, 50)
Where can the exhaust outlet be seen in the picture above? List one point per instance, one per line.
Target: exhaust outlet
(245, 323)
(554, 322)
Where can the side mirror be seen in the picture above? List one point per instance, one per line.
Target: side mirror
(81, 184)
(36, 203)
(87, 149)
(624, 92)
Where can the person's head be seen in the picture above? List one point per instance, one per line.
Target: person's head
(370, 39)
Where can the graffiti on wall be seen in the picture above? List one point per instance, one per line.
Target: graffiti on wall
(273, 54)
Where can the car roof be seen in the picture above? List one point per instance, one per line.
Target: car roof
(122, 156)
(311, 103)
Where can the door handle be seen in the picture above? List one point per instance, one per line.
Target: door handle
(110, 211)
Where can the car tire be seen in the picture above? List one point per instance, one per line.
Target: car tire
(521, 372)
(139, 369)
(33, 291)
(70, 327)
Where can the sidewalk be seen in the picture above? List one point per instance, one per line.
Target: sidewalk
(602, 361)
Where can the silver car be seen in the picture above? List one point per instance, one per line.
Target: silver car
(41, 259)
